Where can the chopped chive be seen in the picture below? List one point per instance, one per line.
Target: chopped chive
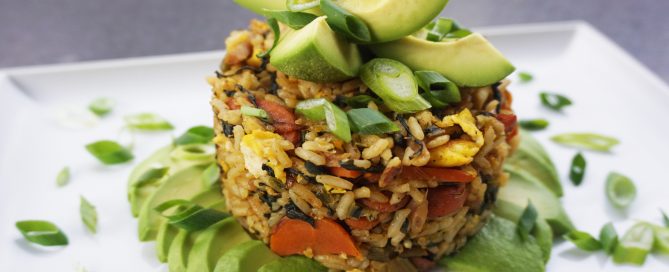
(577, 169)
(395, 83)
(211, 175)
(534, 124)
(665, 218)
(274, 25)
(101, 106)
(527, 220)
(255, 112)
(188, 215)
(301, 5)
(620, 190)
(525, 77)
(42, 233)
(661, 243)
(608, 238)
(320, 109)
(458, 34)
(195, 135)
(294, 20)
(635, 245)
(152, 175)
(344, 22)
(438, 29)
(438, 90)
(361, 101)
(369, 121)
(554, 101)
(109, 152)
(89, 214)
(589, 141)
(63, 177)
(583, 240)
(147, 122)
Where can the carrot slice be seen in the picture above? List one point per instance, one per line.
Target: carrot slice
(231, 103)
(332, 238)
(361, 223)
(445, 200)
(292, 236)
(436, 173)
(385, 206)
(283, 119)
(344, 173)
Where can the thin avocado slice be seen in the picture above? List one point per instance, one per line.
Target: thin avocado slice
(183, 184)
(497, 248)
(542, 231)
(167, 232)
(292, 264)
(522, 187)
(248, 256)
(470, 61)
(213, 242)
(316, 53)
(532, 158)
(137, 195)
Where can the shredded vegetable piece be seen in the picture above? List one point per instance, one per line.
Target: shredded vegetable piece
(101, 106)
(534, 124)
(301, 5)
(577, 169)
(321, 109)
(525, 77)
(554, 101)
(152, 175)
(661, 243)
(583, 240)
(438, 90)
(589, 141)
(63, 177)
(196, 135)
(89, 214)
(620, 190)
(109, 152)
(211, 175)
(255, 112)
(345, 23)
(294, 20)
(438, 29)
(42, 233)
(527, 220)
(274, 25)
(148, 122)
(393, 82)
(369, 121)
(635, 245)
(608, 238)
(190, 216)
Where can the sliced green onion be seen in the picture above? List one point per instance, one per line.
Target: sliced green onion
(190, 216)
(665, 218)
(608, 238)
(590, 141)
(211, 175)
(274, 25)
(199, 153)
(300, 5)
(661, 243)
(109, 152)
(320, 109)
(63, 177)
(148, 122)
(196, 135)
(438, 29)
(369, 121)
(525, 77)
(459, 34)
(527, 220)
(294, 20)
(345, 23)
(42, 232)
(101, 106)
(255, 112)
(534, 124)
(583, 240)
(361, 101)
(620, 190)
(438, 90)
(634, 245)
(89, 214)
(393, 82)
(150, 176)
(577, 169)
(554, 101)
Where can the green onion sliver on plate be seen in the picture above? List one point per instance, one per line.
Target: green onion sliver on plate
(89, 214)
(274, 25)
(255, 112)
(554, 101)
(369, 121)
(63, 177)
(589, 141)
(438, 90)
(211, 174)
(438, 29)
(152, 175)
(294, 20)
(109, 152)
(620, 190)
(198, 153)
(635, 245)
(665, 219)
(583, 240)
(147, 122)
(42, 233)
(525, 77)
(608, 237)
(345, 23)
(189, 216)
(395, 84)
(196, 135)
(533, 124)
(661, 240)
(320, 109)
(527, 220)
(301, 5)
(101, 106)
(577, 169)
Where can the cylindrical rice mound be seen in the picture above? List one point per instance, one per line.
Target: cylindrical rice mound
(274, 169)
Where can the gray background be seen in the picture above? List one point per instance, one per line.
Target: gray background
(58, 31)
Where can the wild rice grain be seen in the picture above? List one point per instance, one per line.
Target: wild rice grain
(310, 156)
(334, 181)
(344, 205)
(375, 149)
(415, 129)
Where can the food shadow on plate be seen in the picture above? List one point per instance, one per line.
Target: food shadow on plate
(576, 254)
(36, 249)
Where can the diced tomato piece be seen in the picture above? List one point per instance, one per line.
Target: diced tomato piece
(509, 121)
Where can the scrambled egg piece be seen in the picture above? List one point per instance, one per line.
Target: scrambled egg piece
(333, 189)
(458, 152)
(263, 147)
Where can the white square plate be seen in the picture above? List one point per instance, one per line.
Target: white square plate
(613, 94)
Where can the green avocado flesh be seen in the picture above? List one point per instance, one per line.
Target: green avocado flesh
(137, 195)
(248, 256)
(214, 242)
(389, 20)
(293, 264)
(542, 231)
(470, 61)
(533, 159)
(316, 53)
(497, 248)
(257, 6)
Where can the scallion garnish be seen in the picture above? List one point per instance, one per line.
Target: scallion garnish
(527, 220)
(201, 153)
(608, 238)
(344, 22)
(294, 20)
(300, 5)
(393, 82)
(190, 216)
(42, 232)
(211, 175)
(63, 177)
(534, 124)
(152, 175)
(525, 77)
(274, 25)
(661, 243)
(89, 214)
(577, 169)
(634, 246)
(255, 112)
(554, 101)
(195, 135)
(361, 101)
(148, 122)
(620, 190)
(320, 109)
(438, 29)
(665, 218)
(438, 90)
(369, 121)
(458, 34)
(101, 106)
(590, 141)
(109, 152)
(583, 240)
